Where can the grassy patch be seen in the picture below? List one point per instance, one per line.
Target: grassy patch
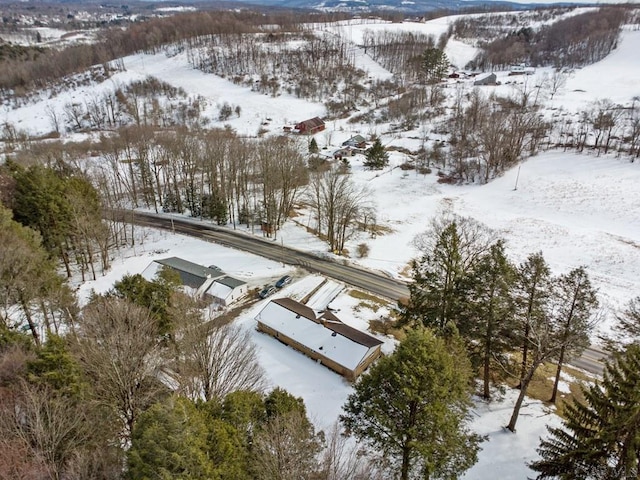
(377, 229)
(368, 298)
(541, 385)
(386, 327)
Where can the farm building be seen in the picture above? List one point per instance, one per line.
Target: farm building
(311, 126)
(226, 290)
(343, 152)
(488, 79)
(356, 141)
(200, 280)
(321, 336)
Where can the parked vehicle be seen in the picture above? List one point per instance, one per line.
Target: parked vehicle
(286, 280)
(267, 291)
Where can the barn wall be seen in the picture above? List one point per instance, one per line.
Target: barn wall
(336, 367)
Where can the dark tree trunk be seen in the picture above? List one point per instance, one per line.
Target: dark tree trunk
(523, 391)
(554, 393)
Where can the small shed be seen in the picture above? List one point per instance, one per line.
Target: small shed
(320, 336)
(311, 126)
(487, 79)
(226, 290)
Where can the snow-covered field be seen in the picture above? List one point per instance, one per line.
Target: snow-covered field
(576, 209)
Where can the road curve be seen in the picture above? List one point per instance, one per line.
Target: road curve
(376, 283)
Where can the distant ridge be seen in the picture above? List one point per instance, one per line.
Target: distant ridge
(414, 6)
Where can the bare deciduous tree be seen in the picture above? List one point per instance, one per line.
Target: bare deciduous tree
(342, 458)
(286, 447)
(338, 204)
(53, 429)
(118, 346)
(475, 238)
(214, 358)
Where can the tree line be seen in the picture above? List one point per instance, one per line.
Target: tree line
(141, 384)
(19, 76)
(570, 42)
(400, 52)
(304, 64)
(464, 283)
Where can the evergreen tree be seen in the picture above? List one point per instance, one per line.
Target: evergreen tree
(600, 437)
(562, 325)
(486, 318)
(65, 209)
(435, 64)
(376, 157)
(577, 302)
(155, 295)
(56, 368)
(313, 146)
(531, 295)
(170, 441)
(28, 278)
(411, 408)
(40, 203)
(434, 294)
(215, 208)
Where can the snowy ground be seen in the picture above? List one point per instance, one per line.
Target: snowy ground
(504, 454)
(576, 209)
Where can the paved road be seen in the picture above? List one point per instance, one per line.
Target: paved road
(358, 277)
(368, 280)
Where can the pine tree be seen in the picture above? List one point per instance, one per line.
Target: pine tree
(561, 325)
(576, 308)
(434, 297)
(411, 408)
(155, 295)
(28, 277)
(532, 290)
(214, 206)
(435, 64)
(600, 437)
(487, 312)
(55, 367)
(313, 146)
(170, 441)
(377, 157)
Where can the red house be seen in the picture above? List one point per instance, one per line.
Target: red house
(311, 126)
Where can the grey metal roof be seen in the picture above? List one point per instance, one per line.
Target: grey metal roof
(230, 281)
(188, 269)
(355, 140)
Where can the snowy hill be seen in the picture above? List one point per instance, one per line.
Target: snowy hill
(577, 208)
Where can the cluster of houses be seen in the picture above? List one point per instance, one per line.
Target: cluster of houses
(481, 79)
(209, 283)
(320, 335)
(356, 144)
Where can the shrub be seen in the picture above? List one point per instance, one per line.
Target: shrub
(363, 250)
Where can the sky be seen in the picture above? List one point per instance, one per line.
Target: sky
(578, 209)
